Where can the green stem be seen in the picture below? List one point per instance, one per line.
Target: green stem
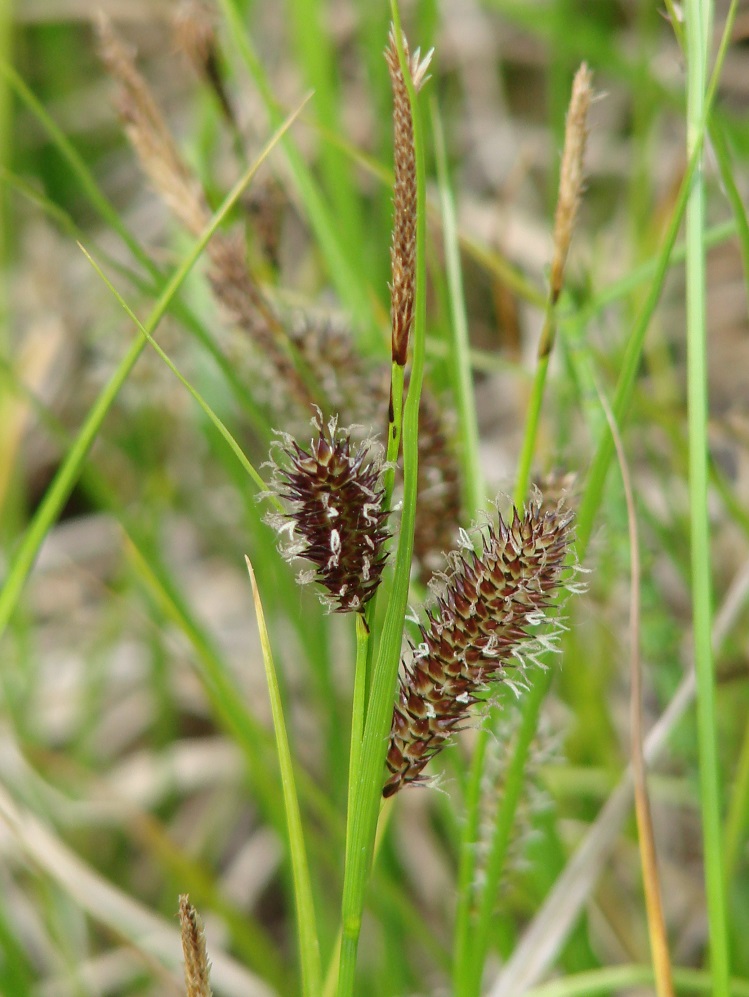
(472, 932)
(308, 940)
(698, 24)
(530, 436)
(367, 795)
(395, 428)
(358, 709)
(358, 714)
(462, 949)
(598, 470)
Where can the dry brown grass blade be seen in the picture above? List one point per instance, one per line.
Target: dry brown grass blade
(646, 837)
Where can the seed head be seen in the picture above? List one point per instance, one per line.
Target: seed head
(197, 966)
(482, 623)
(572, 176)
(403, 249)
(336, 520)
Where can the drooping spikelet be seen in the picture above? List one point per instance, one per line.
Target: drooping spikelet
(149, 134)
(337, 520)
(491, 603)
(232, 283)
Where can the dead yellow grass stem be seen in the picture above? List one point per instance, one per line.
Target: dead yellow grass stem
(648, 857)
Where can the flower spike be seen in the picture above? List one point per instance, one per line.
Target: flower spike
(336, 520)
(482, 624)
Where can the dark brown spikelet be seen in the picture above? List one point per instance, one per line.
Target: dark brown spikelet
(482, 623)
(336, 521)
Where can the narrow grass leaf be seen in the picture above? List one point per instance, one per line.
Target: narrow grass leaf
(78, 166)
(252, 472)
(698, 26)
(733, 194)
(611, 980)
(63, 482)
(474, 496)
(309, 949)
(360, 843)
(350, 282)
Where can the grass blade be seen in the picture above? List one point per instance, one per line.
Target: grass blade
(309, 948)
(698, 25)
(474, 496)
(351, 284)
(360, 845)
(252, 472)
(63, 482)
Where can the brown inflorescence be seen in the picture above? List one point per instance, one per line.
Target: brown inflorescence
(197, 967)
(403, 249)
(337, 520)
(483, 621)
(571, 175)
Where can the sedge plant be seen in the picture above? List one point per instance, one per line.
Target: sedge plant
(410, 679)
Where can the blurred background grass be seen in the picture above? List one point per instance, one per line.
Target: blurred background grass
(135, 726)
